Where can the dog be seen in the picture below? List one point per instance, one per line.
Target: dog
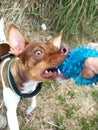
(27, 64)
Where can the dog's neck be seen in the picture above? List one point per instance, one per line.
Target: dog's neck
(21, 77)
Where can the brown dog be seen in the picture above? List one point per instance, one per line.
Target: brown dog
(33, 63)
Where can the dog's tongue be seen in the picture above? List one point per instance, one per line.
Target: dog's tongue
(59, 76)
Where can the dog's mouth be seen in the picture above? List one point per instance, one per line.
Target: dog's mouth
(53, 73)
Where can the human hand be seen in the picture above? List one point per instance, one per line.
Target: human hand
(91, 65)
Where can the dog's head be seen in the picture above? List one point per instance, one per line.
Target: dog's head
(39, 59)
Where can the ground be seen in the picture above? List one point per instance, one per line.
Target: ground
(60, 106)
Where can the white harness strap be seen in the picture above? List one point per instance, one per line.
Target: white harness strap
(1, 71)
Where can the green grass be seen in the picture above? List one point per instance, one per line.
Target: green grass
(95, 95)
(72, 94)
(89, 124)
(62, 100)
(69, 109)
(78, 19)
(60, 121)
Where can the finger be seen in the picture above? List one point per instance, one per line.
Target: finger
(92, 64)
(87, 73)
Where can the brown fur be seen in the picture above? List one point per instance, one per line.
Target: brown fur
(4, 49)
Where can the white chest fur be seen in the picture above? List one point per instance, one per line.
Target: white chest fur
(29, 86)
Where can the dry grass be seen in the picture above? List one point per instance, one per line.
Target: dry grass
(78, 19)
(59, 106)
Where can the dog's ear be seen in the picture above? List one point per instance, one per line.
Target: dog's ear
(57, 41)
(17, 40)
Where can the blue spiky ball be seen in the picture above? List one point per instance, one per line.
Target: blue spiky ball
(74, 64)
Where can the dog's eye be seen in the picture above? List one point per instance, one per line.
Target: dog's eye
(38, 53)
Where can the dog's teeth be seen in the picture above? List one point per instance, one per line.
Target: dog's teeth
(46, 72)
(59, 71)
(49, 71)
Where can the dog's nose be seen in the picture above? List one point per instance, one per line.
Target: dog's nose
(65, 50)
